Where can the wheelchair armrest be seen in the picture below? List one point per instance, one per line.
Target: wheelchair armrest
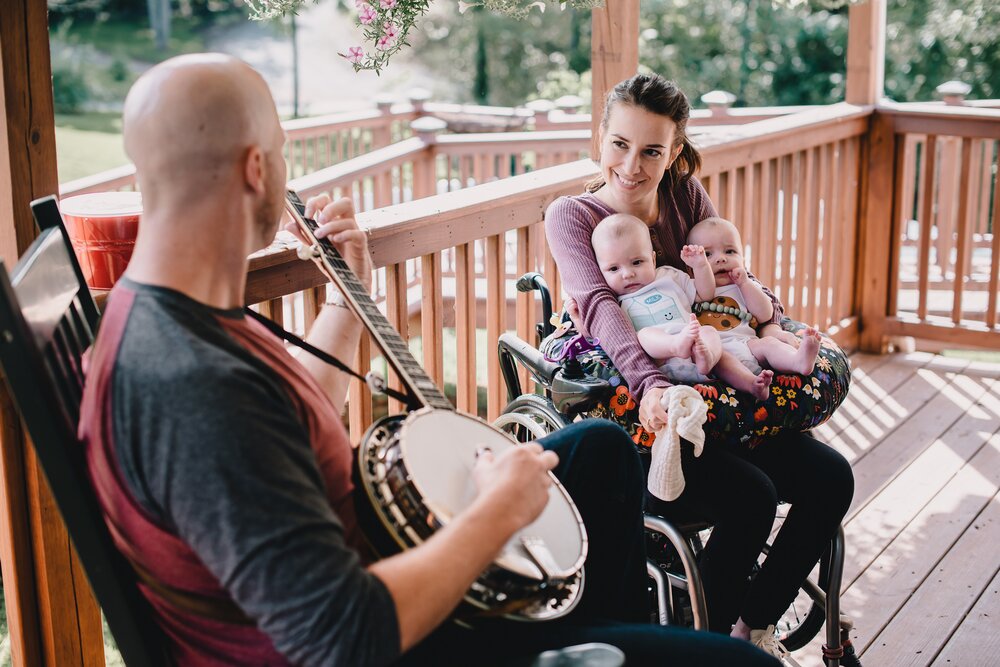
(529, 357)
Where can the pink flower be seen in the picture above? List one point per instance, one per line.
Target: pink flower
(355, 54)
(366, 13)
(387, 4)
(390, 30)
(385, 42)
(359, 3)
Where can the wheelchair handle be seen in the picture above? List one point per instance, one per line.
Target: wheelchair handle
(534, 281)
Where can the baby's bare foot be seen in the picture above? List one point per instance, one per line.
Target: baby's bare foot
(806, 357)
(699, 350)
(762, 385)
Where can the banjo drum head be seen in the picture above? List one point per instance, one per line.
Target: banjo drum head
(439, 449)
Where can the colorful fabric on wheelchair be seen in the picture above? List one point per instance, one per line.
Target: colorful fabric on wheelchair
(799, 402)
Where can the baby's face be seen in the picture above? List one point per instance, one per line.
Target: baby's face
(627, 262)
(723, 248)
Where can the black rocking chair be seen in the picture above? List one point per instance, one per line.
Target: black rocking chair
(48, 318)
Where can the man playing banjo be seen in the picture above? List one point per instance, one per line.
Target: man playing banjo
(221, 463)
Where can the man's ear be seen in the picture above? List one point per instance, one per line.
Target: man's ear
(254, 169)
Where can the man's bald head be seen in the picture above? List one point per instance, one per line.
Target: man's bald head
(189, 121)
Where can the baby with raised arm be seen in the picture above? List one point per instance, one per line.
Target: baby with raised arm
(715, 255)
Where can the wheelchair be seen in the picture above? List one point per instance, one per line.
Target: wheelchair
(676, 590)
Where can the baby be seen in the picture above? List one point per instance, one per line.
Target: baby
(715, 255)
(658, 301)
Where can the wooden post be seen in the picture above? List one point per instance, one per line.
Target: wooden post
(878, 232)
(52, 614)
(614, 54)
(866, 52)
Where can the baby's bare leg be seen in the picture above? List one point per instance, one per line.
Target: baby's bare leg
(732, 371)
(662, 345)
(782, 357)
(706, 350)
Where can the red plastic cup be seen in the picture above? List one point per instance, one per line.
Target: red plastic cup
(102, 227)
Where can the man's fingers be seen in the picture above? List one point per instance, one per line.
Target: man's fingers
(336, 227)
(549, 459)
(315, 204)
(533, 447)
(343, 207)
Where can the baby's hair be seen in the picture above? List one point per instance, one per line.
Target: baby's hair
(716, 221)
(620, 225)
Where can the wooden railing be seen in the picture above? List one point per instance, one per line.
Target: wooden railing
(790, 185)
(942, 217)
(323, 141)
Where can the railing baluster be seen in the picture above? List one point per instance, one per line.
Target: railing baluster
(899, 221)
(525, 313)
(994, 279)
(785, 283)
(397, 312)
(928, 166)
(963, 242)
(359, 412)
(496, 302)
(466, 384)
(842, 243)
(765, 266)
(431, 316)
(821, 277)
(730, 189)
(811, 227)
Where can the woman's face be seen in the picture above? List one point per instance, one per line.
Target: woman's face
(637, 147)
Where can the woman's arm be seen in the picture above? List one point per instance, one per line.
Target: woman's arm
(568, 227)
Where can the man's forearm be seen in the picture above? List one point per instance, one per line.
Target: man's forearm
(336, 331)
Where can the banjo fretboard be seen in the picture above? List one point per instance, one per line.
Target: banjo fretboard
(386, 337)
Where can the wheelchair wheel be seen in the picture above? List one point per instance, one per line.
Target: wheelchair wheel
(530, 417)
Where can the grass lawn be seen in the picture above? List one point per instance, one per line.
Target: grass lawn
(87, 144)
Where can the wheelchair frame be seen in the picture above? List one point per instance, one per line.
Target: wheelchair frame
(569, 393)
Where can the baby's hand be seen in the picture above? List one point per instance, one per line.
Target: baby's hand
(738, 276)
(693, 256)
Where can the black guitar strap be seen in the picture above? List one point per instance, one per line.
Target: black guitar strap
(374, 381)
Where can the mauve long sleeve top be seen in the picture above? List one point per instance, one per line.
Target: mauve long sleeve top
(569, 223)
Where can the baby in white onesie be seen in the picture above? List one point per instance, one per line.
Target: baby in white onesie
(658, 301)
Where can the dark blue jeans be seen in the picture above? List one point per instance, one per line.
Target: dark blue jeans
(599, 467)
(737, 490)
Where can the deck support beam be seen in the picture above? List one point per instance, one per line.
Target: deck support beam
(53, 618)
(866, 52)
(614, 54)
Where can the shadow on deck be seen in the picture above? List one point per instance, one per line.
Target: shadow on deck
(921, 579)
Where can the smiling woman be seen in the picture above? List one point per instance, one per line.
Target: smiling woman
(647, 171)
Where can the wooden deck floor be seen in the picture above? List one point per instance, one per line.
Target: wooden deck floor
(922, 578)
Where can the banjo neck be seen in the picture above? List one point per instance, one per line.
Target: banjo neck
(395, 349)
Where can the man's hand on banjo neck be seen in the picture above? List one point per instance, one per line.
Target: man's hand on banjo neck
(336, 330)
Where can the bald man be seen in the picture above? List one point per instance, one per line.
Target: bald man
(221, 462)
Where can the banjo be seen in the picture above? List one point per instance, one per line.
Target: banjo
(415, 470)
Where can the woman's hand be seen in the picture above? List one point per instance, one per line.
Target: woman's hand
(652, 414)
(336, 223)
